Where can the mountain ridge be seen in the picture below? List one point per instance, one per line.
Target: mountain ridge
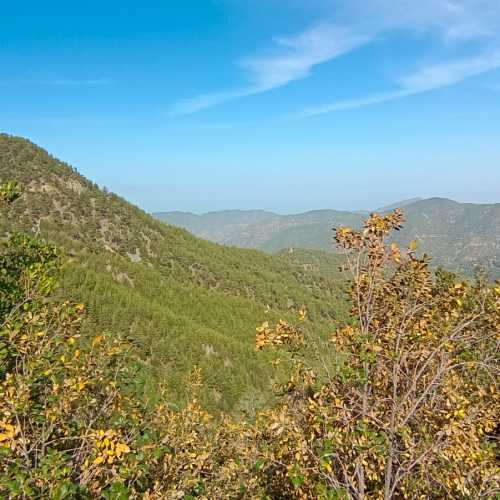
(399, 204)
(180, 300)
(459, 236)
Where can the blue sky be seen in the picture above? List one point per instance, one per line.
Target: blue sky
(287, 105)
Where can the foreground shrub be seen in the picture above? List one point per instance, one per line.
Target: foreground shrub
(71, 424)
(415, 409)
(401, 403)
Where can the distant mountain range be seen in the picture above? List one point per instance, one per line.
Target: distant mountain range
(458, 236)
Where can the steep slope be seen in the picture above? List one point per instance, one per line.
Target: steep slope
(315, 226)
(458, 236)
(180, 300)
(264, 230)
(221, 227)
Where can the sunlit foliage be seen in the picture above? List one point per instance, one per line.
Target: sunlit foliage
(414, 412)
(402, 402)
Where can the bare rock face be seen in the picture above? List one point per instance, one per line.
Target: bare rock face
(75, 186)
(135, 257)
(208, 349)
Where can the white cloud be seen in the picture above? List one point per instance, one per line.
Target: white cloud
(292, 59)
(193, 104)
(443, 75)
(426, 79)
(300, 54)
(350, 104)
(453, 20)
(72, 83)
(358, 22)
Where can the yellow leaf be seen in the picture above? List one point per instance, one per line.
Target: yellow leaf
(263, 327)
(97, 340)
(303, 314)
(413, 245)
(121, 448)
(98, 460)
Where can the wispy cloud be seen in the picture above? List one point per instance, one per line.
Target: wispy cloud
(56, 82)
(70, 83)
(359, 22)
(292, 58)
(193, 104)
(494, 87)
(301, 53)
(426, 79)
(443, 75)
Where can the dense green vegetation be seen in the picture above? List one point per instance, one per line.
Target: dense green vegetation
(179, 300)
(459, 236)
(401, 402)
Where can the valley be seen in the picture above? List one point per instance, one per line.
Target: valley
(459, 236)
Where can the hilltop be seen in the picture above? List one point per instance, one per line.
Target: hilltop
(180, 300)
(459, 236)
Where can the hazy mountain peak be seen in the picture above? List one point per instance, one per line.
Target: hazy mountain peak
(399, 204)
(457, 235)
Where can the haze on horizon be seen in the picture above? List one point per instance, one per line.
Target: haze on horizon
(287, 106)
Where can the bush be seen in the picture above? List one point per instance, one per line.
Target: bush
(402, 403)
(414, 411)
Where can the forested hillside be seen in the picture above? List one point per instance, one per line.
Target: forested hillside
(180, 300)
(459, 236)
(401, 402)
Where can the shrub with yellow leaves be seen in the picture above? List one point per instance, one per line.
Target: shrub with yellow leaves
(70, 422)
(414, 411)
(55, 392)
(402, 402)
(56, 389)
